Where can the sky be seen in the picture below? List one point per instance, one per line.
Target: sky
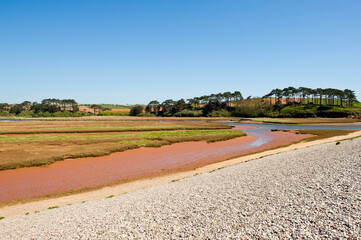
(135, 51)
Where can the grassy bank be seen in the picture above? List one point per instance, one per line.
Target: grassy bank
(36, 127)
(302, 120)
(322, 134)
(122, 118)
(36, 149)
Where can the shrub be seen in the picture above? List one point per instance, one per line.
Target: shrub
(115, 113)
(146, 114)
(189, 113)
(136, 110)
(219, 113)
(6, 114)
(335, 112)
(298, 111)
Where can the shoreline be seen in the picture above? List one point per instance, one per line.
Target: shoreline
(298, 123)
(73, 175)
(30, 207)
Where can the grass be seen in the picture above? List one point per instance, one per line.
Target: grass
(110, 196)
(216, 169)
(2, 218)
(100, 126)
(322, 134)
(25, 150)
(302, 120)
(115, 106)
(53, 207)
(357, 105)
(124, 119)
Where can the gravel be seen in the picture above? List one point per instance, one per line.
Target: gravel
(307, 193)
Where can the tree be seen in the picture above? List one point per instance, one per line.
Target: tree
(179, 106)
(278, 95)
(351, 97)
(153, 106)
(167, 105)
(228, 96)
(97, 108)
(136, 110)
(16, 109)
(237, 96)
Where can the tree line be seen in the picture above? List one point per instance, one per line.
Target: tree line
(47, 107)
(320, 96)
(207, 105)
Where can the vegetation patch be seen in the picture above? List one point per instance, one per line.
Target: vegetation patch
(321, 134)
(53, 207)
(25, 150)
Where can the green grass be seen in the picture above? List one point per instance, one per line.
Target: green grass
(357, 105)
(2, 218)
(321, 134)
(138, 136)
(53, 207)
(301, 120)
(106, 129)
(111, 106)
(110, 196)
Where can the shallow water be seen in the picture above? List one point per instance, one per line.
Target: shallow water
(259, 130)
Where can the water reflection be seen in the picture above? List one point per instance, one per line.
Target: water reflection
(259, 130)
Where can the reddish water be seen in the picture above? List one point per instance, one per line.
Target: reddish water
(76, 174)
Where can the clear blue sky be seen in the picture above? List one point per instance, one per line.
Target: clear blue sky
(135, 51)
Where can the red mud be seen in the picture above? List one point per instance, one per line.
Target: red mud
(75, 174)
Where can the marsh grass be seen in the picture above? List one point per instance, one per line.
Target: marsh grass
(302, 120)
(322, 134)
(37, 127)
(26, 150)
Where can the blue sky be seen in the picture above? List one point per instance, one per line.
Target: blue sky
(135, 51)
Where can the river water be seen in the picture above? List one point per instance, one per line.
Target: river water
(259, 130)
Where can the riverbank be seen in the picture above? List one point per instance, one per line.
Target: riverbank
(94, 172)
(307, 193)
(43, 204)
(301, 121)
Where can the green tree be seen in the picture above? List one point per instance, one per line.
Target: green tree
(136, 110)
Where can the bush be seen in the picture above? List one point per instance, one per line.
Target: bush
(189, 113)
(146, 115)
(336, 112)
(6, 114)
(115, 113)
(136, 110)
(219, 113)
(298, 111)
(253, 108)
